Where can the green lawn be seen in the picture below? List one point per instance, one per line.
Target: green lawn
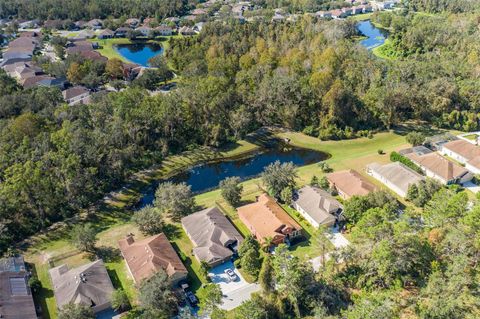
(112, 216)
(361, 17)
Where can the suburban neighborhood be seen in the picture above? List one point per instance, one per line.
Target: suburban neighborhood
(232, 159)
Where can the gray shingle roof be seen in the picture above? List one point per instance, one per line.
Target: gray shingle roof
(211, 233)
(88, 284)
(318, 204)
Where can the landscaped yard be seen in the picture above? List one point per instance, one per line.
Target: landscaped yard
(112, 216)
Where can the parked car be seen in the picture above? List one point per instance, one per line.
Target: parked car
(192, 299)
(231, 274)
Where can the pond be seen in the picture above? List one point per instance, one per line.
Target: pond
(139, 52)
(375, 36)
(206, 177)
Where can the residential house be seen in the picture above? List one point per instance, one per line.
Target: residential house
(93, 55)
(278, 17)
(463, 152)
(438, 167)
(146, 257)
(395, 176)
(323, 14)
(148, 21)
(198, 27)
(337, 14)
(132, 23)
(347, 11)
(350, 183)
(144, 31)
(16, 301)
(199, 11)
(267, 220)
(95, 24)
(213, 235)
(317, 206)
(76, 95)
(53, 24)
(87, 285)
(79, 46)
(164, 30)
(186, 31)
(106, 34)
(122, 32)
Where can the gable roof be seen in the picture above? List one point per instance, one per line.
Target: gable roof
(351, 183)
(145, 257)
(74, 91)
(463, 148)
(88, 284)
(438, 165)
(318, 204)
(16, 300)
(266, 217)
(396, 174)
(211, 233)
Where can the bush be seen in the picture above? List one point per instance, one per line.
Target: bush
(380, 152)
(396, 157)
(237, 263)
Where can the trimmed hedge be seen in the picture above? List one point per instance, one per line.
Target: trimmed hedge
(396, 157)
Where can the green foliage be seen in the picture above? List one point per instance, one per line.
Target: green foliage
(324, 183)
(357, 206)
(204, 268)
(286, 195)
(314, 181)
(119, 300)
(421, 193)
(73, 311)
(265, 276)
(249, 253)
(325, 167)
(415, 138)
(231, 190)
(212, 298)
(149, 220)
(174, 200)
(396, 157)
(278, 176)
(156, 295)
(35, 284)
(84, 237)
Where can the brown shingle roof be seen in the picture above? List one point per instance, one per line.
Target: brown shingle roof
(145, 257)
(74, 91)
(350, 183)
(438, 165)
(266, 218)
(463, 148)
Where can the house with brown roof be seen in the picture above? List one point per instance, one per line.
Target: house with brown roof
(438, 167)
(88, 285)
(266, 219)
(317, 206)
(16, 301)
(349, 183)
(463, 152)
(146, 257)
(76, 95)
(213, 235)
(106, 34)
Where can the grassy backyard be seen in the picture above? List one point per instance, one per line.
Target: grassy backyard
(112, 216)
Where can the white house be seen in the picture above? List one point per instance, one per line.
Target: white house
(439, 168)
(395, 176)
(463, 152)
(317, 206)
(75, 95)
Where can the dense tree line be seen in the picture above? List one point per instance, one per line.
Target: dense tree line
(91, 9)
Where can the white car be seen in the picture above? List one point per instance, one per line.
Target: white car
(231, 274)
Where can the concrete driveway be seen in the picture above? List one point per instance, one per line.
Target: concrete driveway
(234, 292)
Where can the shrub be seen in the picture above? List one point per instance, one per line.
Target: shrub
(396, 157)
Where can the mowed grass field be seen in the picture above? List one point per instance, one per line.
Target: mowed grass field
(112, 216)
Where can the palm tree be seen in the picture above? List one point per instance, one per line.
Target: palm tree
(267, 243)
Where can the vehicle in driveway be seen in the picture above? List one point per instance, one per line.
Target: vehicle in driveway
(231, 274)
(192, 299)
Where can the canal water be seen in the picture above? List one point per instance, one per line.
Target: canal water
(375, 36)
(206, 177)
